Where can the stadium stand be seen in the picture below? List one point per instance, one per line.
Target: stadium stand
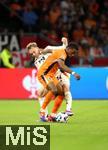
(82, 21)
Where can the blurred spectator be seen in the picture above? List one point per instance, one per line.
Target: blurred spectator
(95, 52)
(103, 22)
(90, 22)
(94, 7)
(29, 18)
(78, 32)
(6, 58)
(46, 26)
(64, 5)
(83, 54)
(88, 38)
(105, 47)
(83, 21)
(54, 14)
(105, 7)
(52, 35)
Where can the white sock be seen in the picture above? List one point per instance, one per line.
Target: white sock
(68, 98)
(41, 100)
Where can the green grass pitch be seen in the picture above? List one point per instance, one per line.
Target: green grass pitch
(86, 130)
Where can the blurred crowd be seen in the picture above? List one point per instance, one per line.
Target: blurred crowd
(83, 21)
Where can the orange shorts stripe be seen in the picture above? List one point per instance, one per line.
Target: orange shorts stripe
(45, 80)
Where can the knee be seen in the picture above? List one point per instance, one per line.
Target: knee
(60, 90)
(55, 92)
(66, 88)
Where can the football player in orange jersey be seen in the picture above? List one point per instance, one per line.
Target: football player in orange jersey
(39, 56)
(46, 75)
(32, 47)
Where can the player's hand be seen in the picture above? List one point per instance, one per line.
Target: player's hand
(65, 41)
(77, 76)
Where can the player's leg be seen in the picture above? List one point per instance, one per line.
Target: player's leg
(55, 89)
(41, 101)
(40, 92)
(52, 91)
(64, 78)
(57, 103)
(68, 96)
(59, 98)
(47, 100)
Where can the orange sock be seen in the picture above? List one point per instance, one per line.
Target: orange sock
(57, 103)
(48, 98)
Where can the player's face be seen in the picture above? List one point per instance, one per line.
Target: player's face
(71, 52)
(34, 52)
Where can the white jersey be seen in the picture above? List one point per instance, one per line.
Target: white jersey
(40, 60)
(38, 63)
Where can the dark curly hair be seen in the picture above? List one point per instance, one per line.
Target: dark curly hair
(73, 45)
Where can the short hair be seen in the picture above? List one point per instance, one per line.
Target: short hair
(73, 45)
(31, 44)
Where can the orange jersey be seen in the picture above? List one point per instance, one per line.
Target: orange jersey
(47, 71)
(51, 65)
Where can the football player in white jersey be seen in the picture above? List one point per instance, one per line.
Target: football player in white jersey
(40, 57)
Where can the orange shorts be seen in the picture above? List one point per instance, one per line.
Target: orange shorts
(46, 79)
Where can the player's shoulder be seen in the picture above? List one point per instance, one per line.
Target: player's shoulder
(59, 51)
(60, 54)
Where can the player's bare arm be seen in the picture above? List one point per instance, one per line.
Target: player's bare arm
(45, 51)
(65, 68)
(49, 49)
(64, 41)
